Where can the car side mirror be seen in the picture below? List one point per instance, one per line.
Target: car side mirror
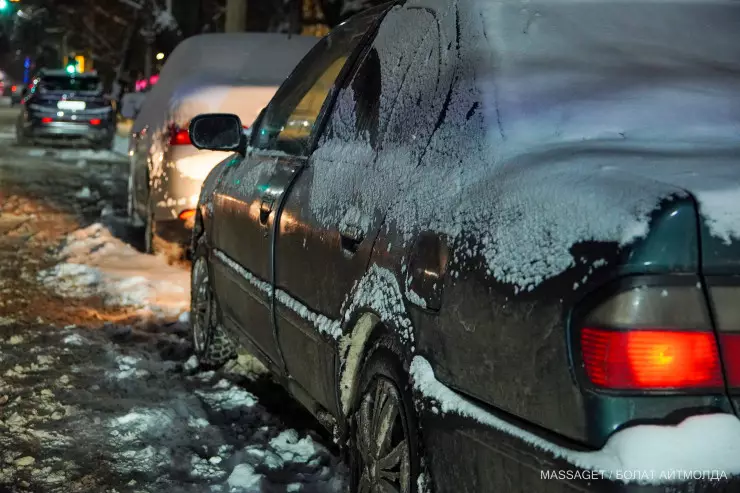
(218, 132)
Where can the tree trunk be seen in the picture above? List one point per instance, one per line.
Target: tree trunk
(236, 16)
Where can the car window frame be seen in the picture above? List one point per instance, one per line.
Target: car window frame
(347, 69)
(363, 51)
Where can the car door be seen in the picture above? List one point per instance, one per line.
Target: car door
(251, 191)
(334, 211)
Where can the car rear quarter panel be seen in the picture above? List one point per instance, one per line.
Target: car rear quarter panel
(511, 351)
(183, 172)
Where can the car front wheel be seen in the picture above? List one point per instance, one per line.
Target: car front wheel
(384, 442)
(211, 343)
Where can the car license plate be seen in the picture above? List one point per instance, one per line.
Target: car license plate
(71, 105)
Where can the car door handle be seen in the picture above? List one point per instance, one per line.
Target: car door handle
(351, 235)
(268, 202)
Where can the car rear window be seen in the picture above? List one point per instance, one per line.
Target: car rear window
(62, 83)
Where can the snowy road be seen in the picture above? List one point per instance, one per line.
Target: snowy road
(98, 390)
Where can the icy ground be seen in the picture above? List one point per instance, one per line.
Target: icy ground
(94, 409)
(98, 387)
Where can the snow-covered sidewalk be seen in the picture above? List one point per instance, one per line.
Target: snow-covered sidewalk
(87, 414)
(95, 263)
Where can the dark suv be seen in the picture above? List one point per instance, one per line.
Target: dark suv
(63, 106)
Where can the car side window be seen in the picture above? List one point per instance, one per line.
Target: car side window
(290, 117)
(356, 116)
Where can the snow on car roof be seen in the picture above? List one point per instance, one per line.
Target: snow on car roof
(511, 123)
(222, 60)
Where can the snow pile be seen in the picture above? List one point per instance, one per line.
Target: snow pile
(74, 340)
(699, 443)
(245, 479)
(127, 368)
(533, 129)
(226, 396)
(94, 263)
(150, 440)
(287, 457)
(84, 193)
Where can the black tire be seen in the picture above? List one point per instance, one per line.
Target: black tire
(212, 345)
(130, 204)
(383, 378)
(156, 245)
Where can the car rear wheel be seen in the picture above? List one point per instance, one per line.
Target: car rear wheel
(156, 245)
(384, 441)
(130, 206)
(211, 343)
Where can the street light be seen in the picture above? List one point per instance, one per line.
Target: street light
(160, 55)
(3, 4)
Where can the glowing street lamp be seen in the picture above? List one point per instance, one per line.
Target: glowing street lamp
(3, 4)
(160, 55)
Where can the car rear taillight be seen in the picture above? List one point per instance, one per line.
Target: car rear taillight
(651, 338)
(13, 88)
(179, 136)
(95, 121)
(651, 359)
(47, 119)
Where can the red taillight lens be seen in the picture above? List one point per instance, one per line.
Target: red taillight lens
(187, 214)
(731, 356)
(14, 88)
(47, 119)
(179, 136)
(651, 359)
(95, 121)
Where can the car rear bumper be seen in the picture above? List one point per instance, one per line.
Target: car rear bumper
(466, 456)
(70, 130)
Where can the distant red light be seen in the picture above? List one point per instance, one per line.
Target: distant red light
(13, 88)
(95, 121)
(47, 119)
(179, 136)
(153, 79)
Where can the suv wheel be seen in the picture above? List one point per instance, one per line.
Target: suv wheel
(384, 441)
(211, 343)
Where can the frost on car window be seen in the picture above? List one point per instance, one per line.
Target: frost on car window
(349, 158)
(522, 129)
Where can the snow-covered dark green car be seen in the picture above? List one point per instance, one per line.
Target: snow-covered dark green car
(504, 253)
